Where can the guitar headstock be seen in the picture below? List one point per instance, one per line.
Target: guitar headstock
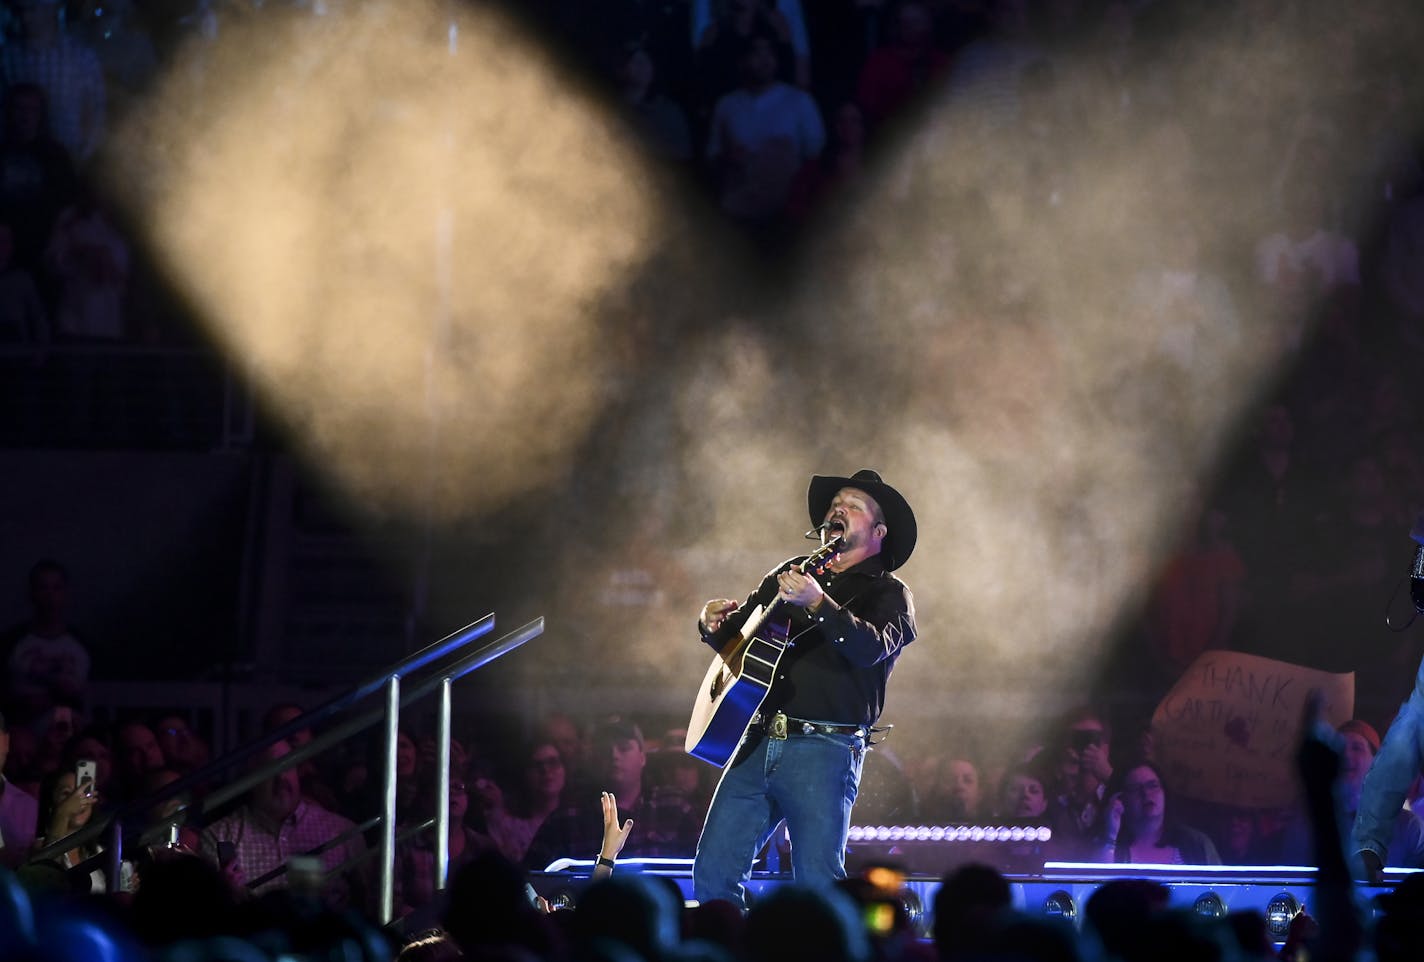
(823, 556)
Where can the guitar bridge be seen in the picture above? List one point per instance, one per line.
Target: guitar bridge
(777, 729)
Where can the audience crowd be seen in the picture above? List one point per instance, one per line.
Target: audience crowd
(280, 876)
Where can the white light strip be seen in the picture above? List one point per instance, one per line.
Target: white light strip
(673, 864)
(950, 833)
(1224, 869)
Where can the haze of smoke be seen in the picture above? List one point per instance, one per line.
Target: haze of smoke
(1036, 374)
(300, 174)
(1020, 369)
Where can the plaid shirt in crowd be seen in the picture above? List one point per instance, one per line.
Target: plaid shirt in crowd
(415, 866)
(261, 846)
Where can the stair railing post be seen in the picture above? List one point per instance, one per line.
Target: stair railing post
(388, 802)
(442, 788)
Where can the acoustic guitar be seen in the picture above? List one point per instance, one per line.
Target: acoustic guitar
(741, 674)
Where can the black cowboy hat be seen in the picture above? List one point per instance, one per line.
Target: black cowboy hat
(899, 519)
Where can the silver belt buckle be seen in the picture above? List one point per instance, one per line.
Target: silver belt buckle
(777, 729)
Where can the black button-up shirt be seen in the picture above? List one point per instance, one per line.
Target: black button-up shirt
(840, 658)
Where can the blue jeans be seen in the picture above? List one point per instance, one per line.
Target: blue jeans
(810, 781)
(1396, 764)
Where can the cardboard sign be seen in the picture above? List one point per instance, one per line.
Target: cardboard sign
(1229, 729)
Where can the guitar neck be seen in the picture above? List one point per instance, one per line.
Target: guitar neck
(817, 560)
(759, 617)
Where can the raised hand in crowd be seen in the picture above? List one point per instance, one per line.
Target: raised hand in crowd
(615, 836)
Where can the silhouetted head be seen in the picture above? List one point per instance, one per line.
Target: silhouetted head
(637, 911)
(966, 906)
(800, 924)
(489, 905)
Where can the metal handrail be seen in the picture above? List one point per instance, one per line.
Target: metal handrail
(315, 716)
(394, 701)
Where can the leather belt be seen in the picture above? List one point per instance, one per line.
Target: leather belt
(778, 725)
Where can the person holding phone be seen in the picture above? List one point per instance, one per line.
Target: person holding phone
(1082, 770)
(1138, 828)
(67, 800)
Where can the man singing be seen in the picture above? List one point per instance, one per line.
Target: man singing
(801, 757)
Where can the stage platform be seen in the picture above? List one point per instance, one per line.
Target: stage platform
(1058, 889)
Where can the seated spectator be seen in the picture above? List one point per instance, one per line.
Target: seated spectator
(274, 825)
(54, 730)
(1136, 828)
(63, 811)
(666, 827)
(284, 713)
(409, 777)
(1079, 769)
(514, 824)
(136, 754)
(183, 749)
(1237, 839)
(657, 117)
(760, 136)
(314, 785)
(358, 794)
(903, 69)
(1023, 800)
(565, 734)
(838, 167)
(415, 857)
(1359, 743)
(19, 812)
(37, 178)
(46, 662)
(783, 19)
(47, 55)
(1022, 795)
(674, 774)
(89, 262)
(22, 314)
(22, 767)
(954, 795)
(428, 748)
(721, 47)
